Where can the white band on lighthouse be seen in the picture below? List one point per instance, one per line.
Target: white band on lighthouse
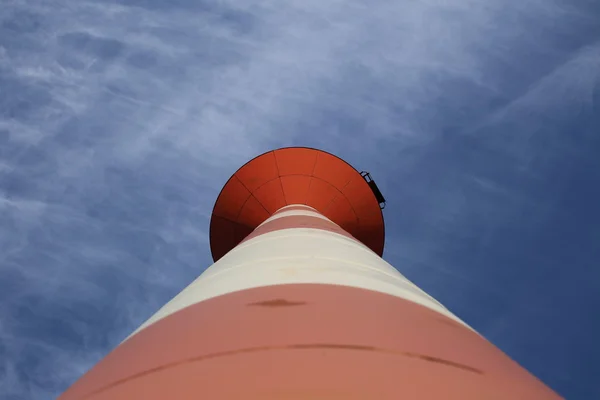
(298, 255)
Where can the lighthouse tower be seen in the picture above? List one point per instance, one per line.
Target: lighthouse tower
(299, 304)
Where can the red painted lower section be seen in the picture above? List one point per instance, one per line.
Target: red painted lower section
(307, 341)
(297, 221)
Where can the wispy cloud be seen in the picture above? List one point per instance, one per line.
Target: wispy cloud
(120, 121)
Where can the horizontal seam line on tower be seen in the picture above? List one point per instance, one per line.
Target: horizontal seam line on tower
(308, 346)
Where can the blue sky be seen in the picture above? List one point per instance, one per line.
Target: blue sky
(121, 120)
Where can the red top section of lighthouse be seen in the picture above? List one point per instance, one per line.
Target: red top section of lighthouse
(295, 175)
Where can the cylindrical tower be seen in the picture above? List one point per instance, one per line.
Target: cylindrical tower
(299, 304)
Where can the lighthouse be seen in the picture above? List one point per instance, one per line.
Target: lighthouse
(299, 304)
